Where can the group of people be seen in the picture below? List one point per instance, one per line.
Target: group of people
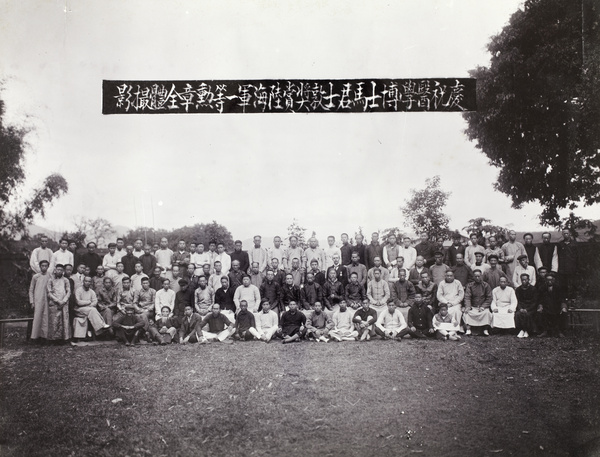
(353, 291)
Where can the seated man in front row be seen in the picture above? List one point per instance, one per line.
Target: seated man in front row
(343, 327)
(245, 324)
(318, 324)
(219, 326)
(291, 327)
(267, 322)
(419, 319)
(190, 326)
(164, 329)
(128, 326)
(364, 319)
(445, 325)
(390, 323)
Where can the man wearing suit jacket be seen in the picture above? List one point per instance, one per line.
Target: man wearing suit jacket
(341, 272)
(190, 331)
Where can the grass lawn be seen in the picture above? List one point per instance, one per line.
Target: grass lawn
(496, 396)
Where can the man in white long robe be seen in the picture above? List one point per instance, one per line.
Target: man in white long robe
(504, 305)
(512, 250)
(38, 298)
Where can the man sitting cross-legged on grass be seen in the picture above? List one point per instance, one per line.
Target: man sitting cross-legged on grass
(266, 322)
(128, 326)
(318, 324)
(220, 328)
(343, 327)
(390, 323)
(164, 329)
(445, 325)
(291, 326)
(245, 324)
(190, 326)
(419, 320)
(364, 319)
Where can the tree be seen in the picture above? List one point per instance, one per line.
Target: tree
(17, 214)
(484, 229)
(424, 210)
(538, 106)
(94, 228)
(198, 233)
(295, 229)
(575, 224)
(77, 236)
(385, 234)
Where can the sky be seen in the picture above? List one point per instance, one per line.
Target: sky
(253, 173)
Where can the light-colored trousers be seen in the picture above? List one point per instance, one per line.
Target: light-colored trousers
(85, 314)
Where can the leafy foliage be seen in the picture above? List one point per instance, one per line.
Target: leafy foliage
(539, 106)
(575, 225)
(484, 229)
(295, 229)
(198, 233)
(424, 210)
(13, 146)
(385, 233)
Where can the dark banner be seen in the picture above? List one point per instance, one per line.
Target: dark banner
(289, 96)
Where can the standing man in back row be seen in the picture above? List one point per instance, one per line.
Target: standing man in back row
(426, 249)
(164, 257)
(546, 255)
(568, 264)
(241, 256)
(512, 250)
(259, 255)
(373, 250)
(276, 252)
